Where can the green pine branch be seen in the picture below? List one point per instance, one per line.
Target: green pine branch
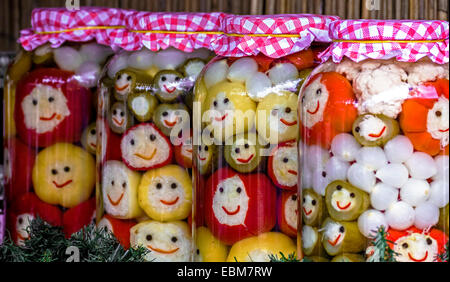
(48, 244)
(382, 252)
(443, 257)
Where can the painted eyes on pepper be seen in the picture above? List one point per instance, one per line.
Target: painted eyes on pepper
(225, 101)
(238, 190)
(124, 184)
(173, 186)
(275, 111)
(55, 171)
(313, 202)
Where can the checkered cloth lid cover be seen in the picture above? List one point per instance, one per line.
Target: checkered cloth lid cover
(406, 40)
(58, 25)
(158, 30)
(273, 35)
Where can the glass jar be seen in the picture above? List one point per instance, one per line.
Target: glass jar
(50, 136)
(145, 150)
(374, 141)
(245, 160)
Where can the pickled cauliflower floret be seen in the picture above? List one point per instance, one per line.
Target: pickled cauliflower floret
(381, 89)
(424, 71)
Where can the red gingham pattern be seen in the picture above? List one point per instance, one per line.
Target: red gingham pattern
(359, 30)
(309, 28)
(138, 22)
(58, 19)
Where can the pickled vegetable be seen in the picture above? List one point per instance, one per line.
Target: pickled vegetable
(206, 158)
(341, 237)
(142, 105)
(129, 81)
(169, 117)
(348, 258)
(89, 138)
(443, 219)
(120, 118)
(374, 130)
(209, 249)
(311, 243)
(167, 85)
(244, 153)
(344, 201)
(314, 210)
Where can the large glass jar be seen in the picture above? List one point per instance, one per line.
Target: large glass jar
(49, 115)
(145, 150)
(374, 141)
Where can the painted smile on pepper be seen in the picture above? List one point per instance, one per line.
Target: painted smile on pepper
(170, 90)
(202, 159)
(162, 251)
(116, 121)
(170, 124)
(440, 130)
(231, 212)
(62, 185)
(315, 111)
(48, 118)
(147, 158)
(121, 88)
(246, 160)
(22, 238)
(116, 203)
(222, 118)
(379, 134)
(307, 212)
(293, 172)
(292, 123)
(171, 203)
(338, 204)
(334, 243)
(93, 145)
(418, 260)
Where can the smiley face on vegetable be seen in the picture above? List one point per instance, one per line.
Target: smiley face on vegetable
(328, 108)
(313, 208)
(144, 147)
(243, 153)
(165, 194)
(183, 152)
(283, 165)
(129, 81)
(344, 201)
(414, 245)
(277, 117)
(228, 110)
(288, 213)
(89, 138)
(374, 130)
(120, 190)
(206, 156)
(168, 86)
(235, 208)
(166, 242)
(64, 174)
(24, 210)
(168, 117)
(50, 107)
(259, 248)
(426, 121)
(120, 118)
(341, 237)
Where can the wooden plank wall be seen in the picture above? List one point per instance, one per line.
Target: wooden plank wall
(15, 14)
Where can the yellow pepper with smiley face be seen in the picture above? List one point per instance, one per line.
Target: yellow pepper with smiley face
(64, 174)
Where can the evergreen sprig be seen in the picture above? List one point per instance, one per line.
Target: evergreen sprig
(290, 258)
(48, 244)
(382, 250)
(443, 257)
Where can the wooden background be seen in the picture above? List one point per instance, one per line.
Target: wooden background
(15, 14)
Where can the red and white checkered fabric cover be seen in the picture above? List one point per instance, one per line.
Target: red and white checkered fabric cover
(389, 31)
(58, 19)
(309, 28)
(135, 37)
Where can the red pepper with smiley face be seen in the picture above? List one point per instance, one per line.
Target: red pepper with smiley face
(287, 212)
(238, 206)
(328, 108)
(51, 107)
(22, 212)
(415, 245)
